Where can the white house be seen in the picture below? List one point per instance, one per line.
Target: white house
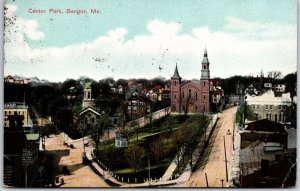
(269, 105)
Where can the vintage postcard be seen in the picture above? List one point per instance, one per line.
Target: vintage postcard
(150, 94)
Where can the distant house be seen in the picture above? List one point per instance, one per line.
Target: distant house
(269, 106)
(264, 130)
(9, 79)
(279, 88)
(120, 140)
(132, 88)
(136, 106)
(88, 117)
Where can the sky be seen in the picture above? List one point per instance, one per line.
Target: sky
(134, 38)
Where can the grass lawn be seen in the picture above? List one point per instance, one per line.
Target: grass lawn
(115, 158)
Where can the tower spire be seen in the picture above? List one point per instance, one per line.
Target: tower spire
(176, 74)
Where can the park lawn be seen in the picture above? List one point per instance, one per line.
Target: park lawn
(147, 136)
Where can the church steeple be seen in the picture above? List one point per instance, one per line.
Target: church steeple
(205, 73)
(176, 74)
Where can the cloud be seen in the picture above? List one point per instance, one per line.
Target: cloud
(239, 49)
(259, 30)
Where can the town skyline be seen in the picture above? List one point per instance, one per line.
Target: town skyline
(40, 44)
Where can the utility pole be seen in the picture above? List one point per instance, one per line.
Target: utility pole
(225, 160)
(206, 180)
(222, 180)
(149, 170)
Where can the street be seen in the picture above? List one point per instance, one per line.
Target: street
(61, 155)
(213, 162)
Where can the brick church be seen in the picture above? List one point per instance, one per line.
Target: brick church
(192, 96)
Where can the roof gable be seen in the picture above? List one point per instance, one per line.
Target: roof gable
(88, 109)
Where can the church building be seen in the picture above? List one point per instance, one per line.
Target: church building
(191, 96)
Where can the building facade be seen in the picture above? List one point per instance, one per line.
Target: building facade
(16, 107)
(270, 106)
(192, 96)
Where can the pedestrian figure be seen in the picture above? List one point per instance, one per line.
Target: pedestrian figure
(228, 132)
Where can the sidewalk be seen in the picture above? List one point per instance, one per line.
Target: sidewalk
(235, 170)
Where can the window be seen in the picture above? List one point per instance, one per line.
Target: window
(256, 116)
(267, 107)
(93, 120)
(283, 107)
(5, 113)
(175, 82)
(9, 113)
(196, 108)
(204, 66)
(203, 96)
(271, 107)
(196, 95)
(253, 106)
(85, 120)
(89, 95)
(279, 107)
(190, 92)
(257, 107)
(203, 83)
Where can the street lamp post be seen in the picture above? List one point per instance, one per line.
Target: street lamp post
(83, 142)
(225, 160)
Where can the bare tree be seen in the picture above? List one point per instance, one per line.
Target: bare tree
(275, 75)
(134, 155)
(157, 148)
(135, 126)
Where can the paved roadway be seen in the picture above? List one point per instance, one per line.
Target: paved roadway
(213, 162)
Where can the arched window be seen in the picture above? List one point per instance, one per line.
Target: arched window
(204, 83)
(190, 92)
(204, 66)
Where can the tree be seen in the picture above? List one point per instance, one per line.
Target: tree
(290, 83)
(274, 75)
(113, 154)
(243, 112)
(178, 138)
(135, 126)
(157, 148)
(134, 155)
(169, 124)
(98, 130)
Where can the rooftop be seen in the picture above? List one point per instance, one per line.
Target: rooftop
(15, 105)
(266, 125)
